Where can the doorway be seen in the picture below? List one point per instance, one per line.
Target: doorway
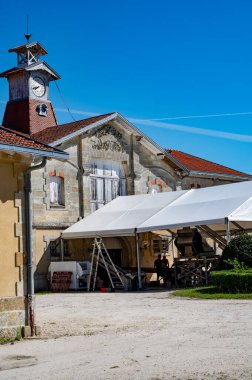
(116, 256)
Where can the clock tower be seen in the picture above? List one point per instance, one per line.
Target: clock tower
(29, 109)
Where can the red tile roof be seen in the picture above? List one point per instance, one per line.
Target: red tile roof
(14, 139)
(193, 163)
(51, 134)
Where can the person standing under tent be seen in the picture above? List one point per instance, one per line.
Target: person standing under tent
(158, 267)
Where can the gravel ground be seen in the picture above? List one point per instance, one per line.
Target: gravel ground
(144, 335)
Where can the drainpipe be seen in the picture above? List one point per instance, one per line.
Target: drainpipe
(138, 261)
(80, 178)
(28, 218)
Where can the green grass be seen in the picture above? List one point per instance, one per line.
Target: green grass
(210, 292)
(45, 293)
(6, 340)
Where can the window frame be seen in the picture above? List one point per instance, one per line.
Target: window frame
(61, 191)
(107, 178)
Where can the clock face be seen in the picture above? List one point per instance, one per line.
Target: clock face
(38, 86)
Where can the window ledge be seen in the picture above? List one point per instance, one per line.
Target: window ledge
(57, 207)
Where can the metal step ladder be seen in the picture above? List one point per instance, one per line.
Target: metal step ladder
(100, 256)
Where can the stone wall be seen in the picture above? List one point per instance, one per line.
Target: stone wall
(200, 181)
(12, 316)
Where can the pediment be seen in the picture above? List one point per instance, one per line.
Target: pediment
(111, 123)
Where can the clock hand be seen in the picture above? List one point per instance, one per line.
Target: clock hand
(35, 87)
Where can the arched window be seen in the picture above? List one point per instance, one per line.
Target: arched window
(107, 181)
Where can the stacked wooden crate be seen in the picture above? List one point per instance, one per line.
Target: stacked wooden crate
(61, 281)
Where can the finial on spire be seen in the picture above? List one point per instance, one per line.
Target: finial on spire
(27, 35)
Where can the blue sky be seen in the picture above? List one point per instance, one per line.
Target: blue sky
(148, 59)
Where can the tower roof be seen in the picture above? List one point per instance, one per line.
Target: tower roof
(28, 53)
(41, 65)
(34, 48)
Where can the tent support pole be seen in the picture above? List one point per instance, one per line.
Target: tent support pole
(215, 247)
(174, 261)
(61, 249)
(173, 255)
(138, 261)
(227, 230)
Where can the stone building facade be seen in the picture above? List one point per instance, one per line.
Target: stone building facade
(108, 157)
(105, 161)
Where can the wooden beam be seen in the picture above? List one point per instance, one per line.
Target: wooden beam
(214, 235)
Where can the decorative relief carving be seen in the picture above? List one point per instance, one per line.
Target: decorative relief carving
(107, 138)
(106, 130)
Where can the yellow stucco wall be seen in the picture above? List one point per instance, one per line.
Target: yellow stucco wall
(11, 232)
(9, 244)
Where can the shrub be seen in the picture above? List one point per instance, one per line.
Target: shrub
(233, 281)
(236, 265)
(240, 248)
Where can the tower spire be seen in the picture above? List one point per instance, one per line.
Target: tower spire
(27, 35)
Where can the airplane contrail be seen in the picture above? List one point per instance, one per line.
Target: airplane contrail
(194, 130)
(182, 128)
(159, 123)
(203, 116)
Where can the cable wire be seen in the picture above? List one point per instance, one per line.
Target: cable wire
(64, 101)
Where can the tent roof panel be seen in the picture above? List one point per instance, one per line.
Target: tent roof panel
(170, 210)
(243, 212)
(122, 215)
(209, 205)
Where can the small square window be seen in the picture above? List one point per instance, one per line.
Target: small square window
(55, 248)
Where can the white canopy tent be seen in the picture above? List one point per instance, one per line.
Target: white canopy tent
(216, 210)
(216, 206)
(121, 216)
